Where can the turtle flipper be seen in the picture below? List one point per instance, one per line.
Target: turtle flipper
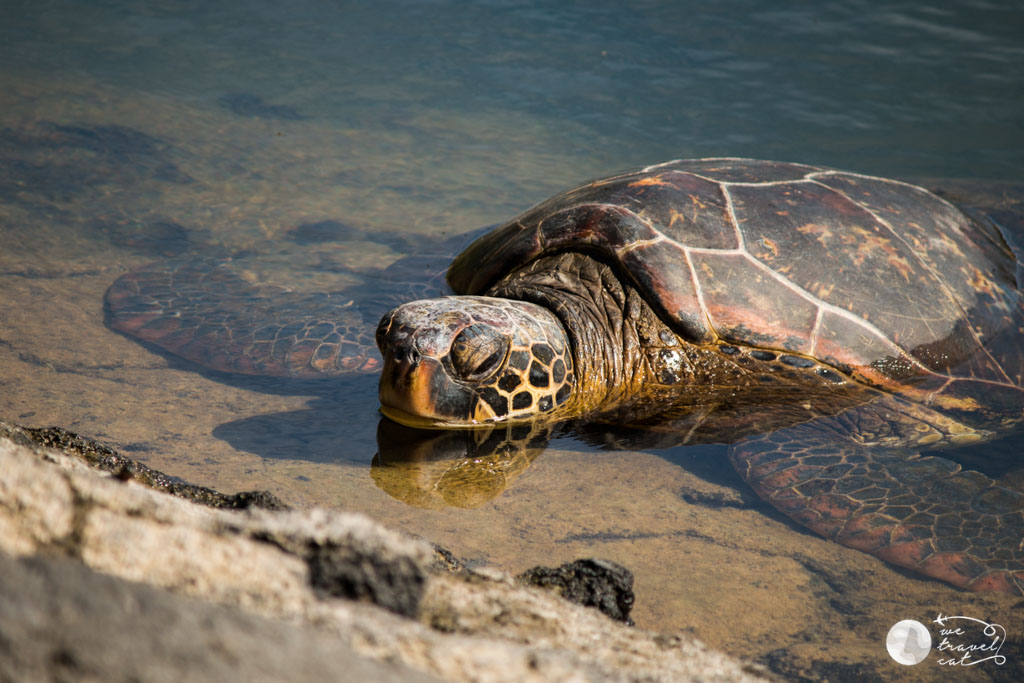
(203, 310)
(922, 513)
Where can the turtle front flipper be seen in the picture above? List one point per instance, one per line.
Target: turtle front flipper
(212, 312)
(204, 310)
(922, 513)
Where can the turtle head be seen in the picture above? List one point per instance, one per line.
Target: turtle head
(463, 361)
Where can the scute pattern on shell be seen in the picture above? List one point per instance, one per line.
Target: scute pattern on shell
(876, 277)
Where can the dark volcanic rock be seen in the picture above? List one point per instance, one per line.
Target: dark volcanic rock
(394, 583)
(592, 583)
(108, 460)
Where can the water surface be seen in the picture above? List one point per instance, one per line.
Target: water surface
(133, 132)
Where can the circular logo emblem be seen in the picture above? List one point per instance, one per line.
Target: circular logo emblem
(908, 642)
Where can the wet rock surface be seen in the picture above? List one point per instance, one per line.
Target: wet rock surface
(603, 584)
(108, 460)
(226, 586)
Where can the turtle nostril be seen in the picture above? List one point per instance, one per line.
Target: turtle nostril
(406, 356)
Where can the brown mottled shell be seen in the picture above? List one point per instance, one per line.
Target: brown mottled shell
(879, 278)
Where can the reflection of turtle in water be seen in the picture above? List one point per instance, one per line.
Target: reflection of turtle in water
(829, 325)
(453, 468)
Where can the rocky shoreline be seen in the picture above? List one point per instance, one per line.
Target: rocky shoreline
(113, 571)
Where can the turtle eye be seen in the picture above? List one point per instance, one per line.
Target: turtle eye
(478, 352)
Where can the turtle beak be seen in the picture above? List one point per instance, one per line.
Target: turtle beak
(403, 381)
(415, 390)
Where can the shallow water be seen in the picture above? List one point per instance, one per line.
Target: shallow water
(131, 133)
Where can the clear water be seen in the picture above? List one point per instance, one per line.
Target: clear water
(134, 131)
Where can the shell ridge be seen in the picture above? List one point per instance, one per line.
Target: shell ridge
(645, 243)
(764, 183)
(712, 250)
(815, 331)
(890, 181)
(696, 174)
(619, 209)
(927, 266)
(659, 237)
(699, 291)
(838, 311)
(741, 244)
(648, 169)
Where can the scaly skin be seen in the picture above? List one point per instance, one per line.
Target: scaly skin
(870, 490)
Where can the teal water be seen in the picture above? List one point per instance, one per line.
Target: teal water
(130, 132)
(902, 88)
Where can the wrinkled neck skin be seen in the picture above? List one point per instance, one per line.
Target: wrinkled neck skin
(606, 322)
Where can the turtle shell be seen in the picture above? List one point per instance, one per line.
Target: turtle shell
(879, 278)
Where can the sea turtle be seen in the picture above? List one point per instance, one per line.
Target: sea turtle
(830, 325)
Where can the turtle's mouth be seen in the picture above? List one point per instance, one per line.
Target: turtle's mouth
(403, 417)
(419, 393)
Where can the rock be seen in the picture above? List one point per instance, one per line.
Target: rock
(348, 556)
(603, 584)
(107, 459)
(336, 577)
(60, 620)
(339, 571)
